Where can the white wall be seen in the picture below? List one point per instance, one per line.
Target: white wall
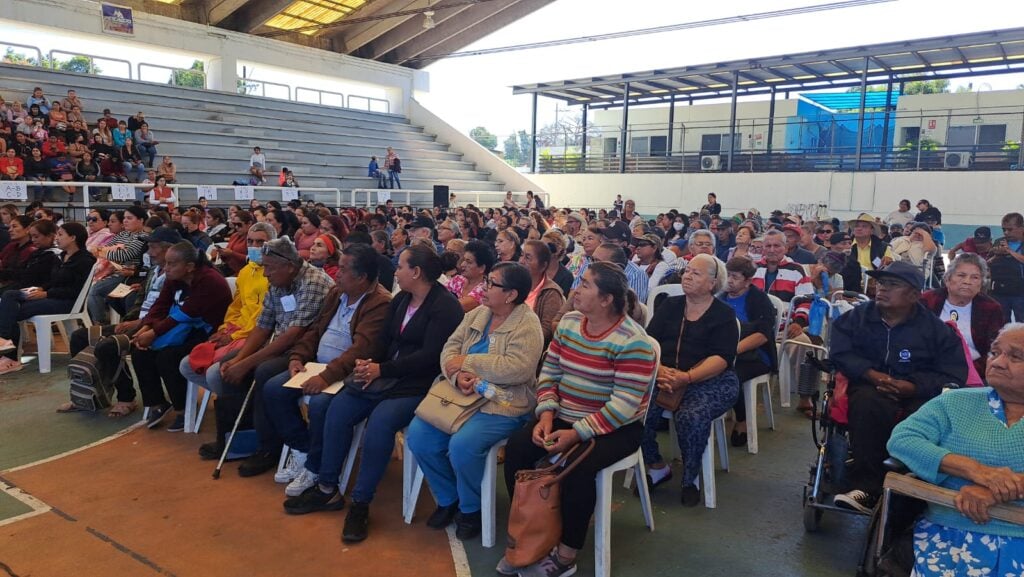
(222, 48)
(471, 150)
(969, 198)
(934, 113)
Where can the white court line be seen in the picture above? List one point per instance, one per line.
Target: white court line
(37, 506)
(458, 554)
(79, 449)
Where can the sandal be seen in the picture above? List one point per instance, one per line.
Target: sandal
(68, 407)
(122, 409)
(9, 366)
(807, 410)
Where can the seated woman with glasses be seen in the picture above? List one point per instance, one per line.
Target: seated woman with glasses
(235, 254)
(699, 337)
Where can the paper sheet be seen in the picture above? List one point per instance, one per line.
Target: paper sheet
(312, 370)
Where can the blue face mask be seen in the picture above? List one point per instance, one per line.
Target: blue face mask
(255, 254)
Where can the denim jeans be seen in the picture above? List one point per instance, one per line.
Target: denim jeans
(393, 177)
(284, 418)
(703, 402)
(1011, 304)
(210, 379)
(454, 464)
(138, 170)
(14, 308)
(384, 418)
(97, 300)
(147, 151)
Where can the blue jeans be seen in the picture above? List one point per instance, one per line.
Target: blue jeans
(454, 464)
(393, 177)
(147, 150)
(209, 380)
(284, 418)
(97, 300)
(138, 170)
(703, 402)
(384, 418)
(1011, 304)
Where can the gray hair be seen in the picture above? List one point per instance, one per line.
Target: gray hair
(1010, 328)
(773, 232)
(283, 248)
(966, 258)
(707, 233)
(717, 268)
(265, 228)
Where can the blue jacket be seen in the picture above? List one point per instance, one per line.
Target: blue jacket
(922, 349)
(373, 169)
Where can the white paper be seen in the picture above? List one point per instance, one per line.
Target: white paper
(207, 191)
(244, 193)
(312, 370)
(288, 194)
(383, 196)
(288, 303)
(13, 190)
(122, 192)
(120, 291)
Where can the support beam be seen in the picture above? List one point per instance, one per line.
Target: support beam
(533, 136)
(408, 31)
(671, 124)
(583, 142)
(860, 114)
(348, 39)
(253, 14)
(625, 128)
(771, 122)
(885, 124)
(217, 11)
(732, 122)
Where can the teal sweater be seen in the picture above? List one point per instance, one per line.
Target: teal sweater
(959, 422)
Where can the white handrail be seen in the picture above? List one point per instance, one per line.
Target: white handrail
(416, 197)
(92, 60)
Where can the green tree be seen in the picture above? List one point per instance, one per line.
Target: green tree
(191, 78)
(512, 151)
(872, 88)
(484, 137)
(525, 147)
(926, 87)
(79, 64)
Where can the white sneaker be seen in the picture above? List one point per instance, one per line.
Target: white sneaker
(305, 480)
(293, 466)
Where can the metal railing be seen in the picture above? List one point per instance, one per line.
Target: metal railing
(244, 83)
(173, 77)
(39, 53)
(423, 198)
(320, 95)
(92, 61)
(369, 103)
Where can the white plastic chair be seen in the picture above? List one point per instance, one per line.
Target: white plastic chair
(750, 401)
(66, 324)
(781, 314)
(232, 283)
(672, 290)
(645, 314)
(194, 418)
(708, 461)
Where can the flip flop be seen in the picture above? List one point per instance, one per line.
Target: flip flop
(68, 407)
(122, 410)
(11, 367)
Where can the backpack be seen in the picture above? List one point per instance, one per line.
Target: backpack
(91, 389)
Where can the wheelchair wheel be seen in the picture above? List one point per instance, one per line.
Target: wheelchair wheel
(812, 518)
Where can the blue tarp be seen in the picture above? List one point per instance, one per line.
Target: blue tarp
(849, 101)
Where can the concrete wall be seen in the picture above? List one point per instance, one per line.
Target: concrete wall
(471, 150)
(934, 113)
(223, 49)
(967, 198)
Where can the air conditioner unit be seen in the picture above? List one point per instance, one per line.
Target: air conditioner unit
(711, 162)
(957, 160)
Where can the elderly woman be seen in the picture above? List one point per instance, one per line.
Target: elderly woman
(545, 297)
(386, 391)
(699, 338)
(744, 237)
(507, 246)
(498, 344)
(966, 440)
(469, 285)
(978, 316)
(593, 386)
(325, 254)
(756, 352)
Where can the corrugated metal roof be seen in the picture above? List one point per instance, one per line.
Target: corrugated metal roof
(840, 101)
(304, 13)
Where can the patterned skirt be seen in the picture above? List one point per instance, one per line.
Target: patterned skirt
(941, 551)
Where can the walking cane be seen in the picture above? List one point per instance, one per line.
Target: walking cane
(234, 429)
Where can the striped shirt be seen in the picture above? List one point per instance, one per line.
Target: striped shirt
(635, 276)
(596, 382)
(134, 245)
(790, 282)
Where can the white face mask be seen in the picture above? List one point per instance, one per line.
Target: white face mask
(678, 226)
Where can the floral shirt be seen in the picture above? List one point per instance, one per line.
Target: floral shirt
(457, 285)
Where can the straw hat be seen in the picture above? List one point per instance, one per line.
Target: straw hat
(865, 217)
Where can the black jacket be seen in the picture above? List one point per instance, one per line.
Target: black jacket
(922, 349)
(413, 355)
(68, 277)
(37, 270)
(763, 319)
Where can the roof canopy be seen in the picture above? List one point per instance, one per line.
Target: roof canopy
(974, 54)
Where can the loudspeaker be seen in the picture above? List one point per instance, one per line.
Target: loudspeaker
(441, 195)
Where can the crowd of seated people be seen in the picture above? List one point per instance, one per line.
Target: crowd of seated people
(540, 312)
(46, 140)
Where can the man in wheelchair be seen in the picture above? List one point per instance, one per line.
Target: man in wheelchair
(896, 355)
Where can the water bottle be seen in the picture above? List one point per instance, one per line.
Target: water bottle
(817, 317)
(492, 393)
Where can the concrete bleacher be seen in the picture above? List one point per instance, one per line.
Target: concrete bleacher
(210, 134)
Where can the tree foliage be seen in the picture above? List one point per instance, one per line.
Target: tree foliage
(511, 147)
(78, 64)
(191, 78)
(484, 137)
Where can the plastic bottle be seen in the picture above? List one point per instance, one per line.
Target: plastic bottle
(493, 393)
(817, 317)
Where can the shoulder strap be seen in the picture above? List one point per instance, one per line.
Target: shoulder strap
(575, 460)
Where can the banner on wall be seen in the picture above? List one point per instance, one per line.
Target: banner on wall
(117, 19)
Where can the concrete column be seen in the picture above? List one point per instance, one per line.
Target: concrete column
(222, 73)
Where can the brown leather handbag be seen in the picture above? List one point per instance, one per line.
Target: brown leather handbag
(670, 401)
(535, 521)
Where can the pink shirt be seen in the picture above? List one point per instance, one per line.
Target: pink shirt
(457, 284)
(98, 238)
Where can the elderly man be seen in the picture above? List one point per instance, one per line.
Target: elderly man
(868, 249)
(1006, 261)
(447, 231)
(293, 303)
(349, 328)
(423, 227)
(897, 355)
(794, 233)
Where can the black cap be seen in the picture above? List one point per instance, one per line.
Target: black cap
(421, 222)
(840, 237)
(983, 234)
(618, 231)
(903, 271)
(164, 234)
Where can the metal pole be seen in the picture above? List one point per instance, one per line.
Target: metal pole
(885, 123)
(860, 113)
(732, 122)
(583, 143)
(622, 133)
(671, 123)
(533, 136)
(920, 129)
(771, 122)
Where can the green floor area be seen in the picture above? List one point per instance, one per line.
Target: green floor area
(30, 427)
(757, 528)
(11, 507)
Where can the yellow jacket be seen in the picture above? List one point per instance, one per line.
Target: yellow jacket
(250, 288)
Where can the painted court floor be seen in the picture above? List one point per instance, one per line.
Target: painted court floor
(138, 502)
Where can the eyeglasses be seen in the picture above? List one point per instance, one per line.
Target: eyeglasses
(265, 249)
(37, 216)
(91, 219)
(489, 283)
(824, 231)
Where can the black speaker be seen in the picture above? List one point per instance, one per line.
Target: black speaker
(441, 195)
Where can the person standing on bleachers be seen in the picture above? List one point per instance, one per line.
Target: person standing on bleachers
(393, 164)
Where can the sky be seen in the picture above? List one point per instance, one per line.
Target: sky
(476, 90)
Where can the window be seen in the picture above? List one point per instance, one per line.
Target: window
(991, 137)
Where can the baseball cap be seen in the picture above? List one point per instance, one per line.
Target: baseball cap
(840, 237)
(421, 222)
(649, 238)
(165, 234)
(794, 229)
(578, 218)
(680, 243)
(983, 234)
(618, 231)
(900, 270)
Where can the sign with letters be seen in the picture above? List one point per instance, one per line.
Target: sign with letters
(289, 194)
(244, 193)
(122, 192)
(206, 191)
(117, 19)
(13, 191)
(383, 196)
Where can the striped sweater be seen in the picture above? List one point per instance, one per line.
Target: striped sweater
(789, 283)
(596, 382)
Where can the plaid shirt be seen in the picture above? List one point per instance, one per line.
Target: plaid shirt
(309, 289)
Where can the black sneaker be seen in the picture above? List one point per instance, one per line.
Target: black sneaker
(178, 424)
(312, 500)
(357, 523)
(442, 516)
(211, 451)
(156, 414)
(856, 500)
(467, 525)
(690, 496)
(260, 462)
